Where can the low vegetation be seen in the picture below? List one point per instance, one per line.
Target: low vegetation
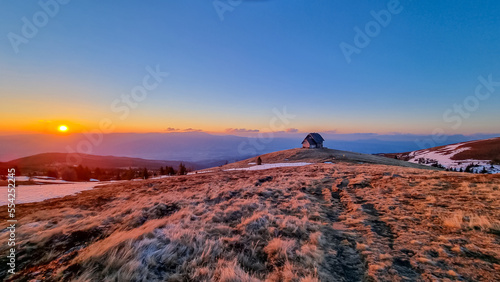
(321, 222)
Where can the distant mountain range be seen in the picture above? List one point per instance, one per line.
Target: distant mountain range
(479, 155)
(208, 149)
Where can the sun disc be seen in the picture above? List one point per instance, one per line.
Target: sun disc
(63, 128)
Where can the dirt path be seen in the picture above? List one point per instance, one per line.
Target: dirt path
(354, 233)
(378, 235)
(342, 261)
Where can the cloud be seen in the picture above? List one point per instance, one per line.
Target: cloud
(241, 130)
(291, 130)
(192, 130)
(173, 129)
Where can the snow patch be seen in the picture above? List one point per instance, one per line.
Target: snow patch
(37, 193)
(443, 156)
(161, 176)
(198, 172)
(42, 179)
(268, 166)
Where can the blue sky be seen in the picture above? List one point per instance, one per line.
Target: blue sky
(232, 73)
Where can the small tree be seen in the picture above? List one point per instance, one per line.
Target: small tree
(438, 165)
(169, 170)
(129, 174)
(182, 169)
(467, 168)
(162, 171)
(259, 161)
(145, 173)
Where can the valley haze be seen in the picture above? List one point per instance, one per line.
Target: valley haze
(205, 147)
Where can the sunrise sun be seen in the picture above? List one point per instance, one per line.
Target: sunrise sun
(63, 128)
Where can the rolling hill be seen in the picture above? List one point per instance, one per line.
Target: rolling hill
(323, 156)
(56, 160)
(481, 154)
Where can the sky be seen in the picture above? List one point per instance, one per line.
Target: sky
(234, 67)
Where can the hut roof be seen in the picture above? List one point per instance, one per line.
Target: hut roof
(316, 137)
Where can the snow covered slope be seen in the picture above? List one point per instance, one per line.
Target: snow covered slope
(481, 156)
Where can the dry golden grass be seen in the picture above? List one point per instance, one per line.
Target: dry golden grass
(322, 222)
(458, 220)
